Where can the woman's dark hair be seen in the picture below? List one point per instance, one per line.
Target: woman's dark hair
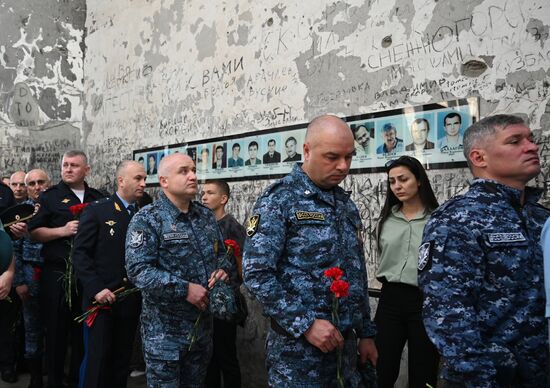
(425, 191)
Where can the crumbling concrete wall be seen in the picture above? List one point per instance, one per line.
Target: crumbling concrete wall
(41, 82)
(163, 72)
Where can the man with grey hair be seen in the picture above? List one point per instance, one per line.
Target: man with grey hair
(17, 184)
(55, 226)
(99, 258)
(481, 265)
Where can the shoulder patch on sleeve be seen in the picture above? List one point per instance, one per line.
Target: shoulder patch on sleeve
(252, 225)
(425, 255)
(136, 239)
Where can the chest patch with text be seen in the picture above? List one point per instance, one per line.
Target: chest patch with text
(175, 236)
(305, 216)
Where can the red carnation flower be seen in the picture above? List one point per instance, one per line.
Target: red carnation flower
(340, 288)
(76, 210)
(36, 273)
(334, 273)
(233, 246)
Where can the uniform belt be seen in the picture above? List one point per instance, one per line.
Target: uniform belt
(279, 330)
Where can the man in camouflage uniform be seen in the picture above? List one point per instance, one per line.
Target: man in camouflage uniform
(301, 226)
(481, 265)
(170, 257)
(28, 268)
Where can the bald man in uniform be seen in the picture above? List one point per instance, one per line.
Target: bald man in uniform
(171, 258)
(301, 226)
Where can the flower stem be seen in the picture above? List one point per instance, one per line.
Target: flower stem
(339, 377)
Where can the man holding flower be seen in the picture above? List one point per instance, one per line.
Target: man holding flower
(99, 258)
(175, 255)
(302, 226)
(55, 226)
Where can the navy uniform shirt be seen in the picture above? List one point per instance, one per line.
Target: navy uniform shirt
(53, 213)
(481, 272)
(165, 250)
(297, 231)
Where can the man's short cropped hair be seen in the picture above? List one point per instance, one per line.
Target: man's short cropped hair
(73, 153)
(291, 138)
(388, 127)
(221, 185)
(485, 129)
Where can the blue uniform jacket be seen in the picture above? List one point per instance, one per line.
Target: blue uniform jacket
(481, 272)
(165, 250)
(300, 231)
(27, 252)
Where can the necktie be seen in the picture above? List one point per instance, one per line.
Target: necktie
(131, 209)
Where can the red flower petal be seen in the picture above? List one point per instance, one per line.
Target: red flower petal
(340, 288)
(334, 273)
(232, 244)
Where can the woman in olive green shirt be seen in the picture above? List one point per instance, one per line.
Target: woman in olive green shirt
(409, 202)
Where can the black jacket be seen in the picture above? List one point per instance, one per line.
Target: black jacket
(99, 249)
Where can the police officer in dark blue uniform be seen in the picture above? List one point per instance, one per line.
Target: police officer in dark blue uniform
(55, 226)
(99, 265)
(303, 225)
(481, 265)
(171, 256)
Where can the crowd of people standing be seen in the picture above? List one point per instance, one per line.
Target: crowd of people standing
(462, 283)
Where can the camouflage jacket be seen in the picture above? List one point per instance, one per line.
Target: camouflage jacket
(295, 233)
(481, 272)
(165, 250)
(26, 252)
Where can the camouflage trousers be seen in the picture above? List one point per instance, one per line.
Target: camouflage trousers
(187, 371)
(295, 363)
(34, 330)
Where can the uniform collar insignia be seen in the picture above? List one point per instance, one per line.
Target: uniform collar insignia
(117, 208)
(66, 200)
(110, 222)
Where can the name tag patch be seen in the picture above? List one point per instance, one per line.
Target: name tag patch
(302, 215)
(505, 237)
(174, 236)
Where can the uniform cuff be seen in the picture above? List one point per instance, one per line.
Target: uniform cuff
(300, 324)
(181, 288)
